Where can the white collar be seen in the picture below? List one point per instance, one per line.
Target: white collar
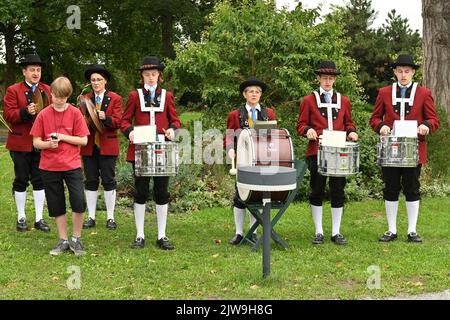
(148, 87)
(402, 86)
(100, 95)
(248, 107)
(321, 91)
(31, 85)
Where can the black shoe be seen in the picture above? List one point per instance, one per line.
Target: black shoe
(388, 236)
(110, 224)
(414, 237)
(318, 239)
(164, 244)
(236, 239)
(42, 225)
(90, 223)
(21, 225)
(254, 237)
(139, 243)
(339, 239)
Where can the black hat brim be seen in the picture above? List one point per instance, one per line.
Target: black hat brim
(31, 63)
(159, 67)
(250, 83)
(395, 65)
(327, 72)
(105, 73)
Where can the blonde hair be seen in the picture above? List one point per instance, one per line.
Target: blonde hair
(61, 87)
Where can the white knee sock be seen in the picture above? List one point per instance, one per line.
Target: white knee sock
(110, 201)
(91, 201)
(316, 212)
(21, 198)
(391, 214)
(239, 220)
(336, 217)
(139, 215)
(161, 218)
(412, 207)
(39, 198)
(253, 220)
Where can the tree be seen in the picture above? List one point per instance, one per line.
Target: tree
(436, 50)
(278, 47)
(373, 49)
(12, 14)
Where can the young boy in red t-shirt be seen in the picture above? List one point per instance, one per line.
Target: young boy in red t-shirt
(59, 131)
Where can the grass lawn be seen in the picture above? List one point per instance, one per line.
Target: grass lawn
(205, 266)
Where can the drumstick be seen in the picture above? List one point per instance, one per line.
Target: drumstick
(233, 170)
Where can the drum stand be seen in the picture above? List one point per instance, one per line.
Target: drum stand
(289, 179)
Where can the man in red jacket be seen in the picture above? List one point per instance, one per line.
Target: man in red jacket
(20, 111)
(245, 117)
(166, 120)
(100, 153)
(313, 118)
(385, 112)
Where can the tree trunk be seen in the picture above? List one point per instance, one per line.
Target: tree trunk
(167, 35)
(9, 32)
(436, 50)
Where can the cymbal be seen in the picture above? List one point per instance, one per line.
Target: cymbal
(90, 112)
(38, 101)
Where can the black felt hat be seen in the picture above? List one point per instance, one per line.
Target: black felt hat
(32, 59)
(97, 69)
(151, 62)
(405, 60)
(327, 67)
(252, 81)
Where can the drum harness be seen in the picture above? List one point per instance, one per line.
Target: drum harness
(329, 107)
(403, 101)
(151, 109)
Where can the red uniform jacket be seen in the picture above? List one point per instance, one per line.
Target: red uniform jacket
(422, 110)
(17, 98)
(109, 143)
(234, 124)
(310, 116)
(134, 116)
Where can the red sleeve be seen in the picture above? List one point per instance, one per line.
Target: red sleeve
(37, 130)
(172, 116)
(271, 114)
(303, 124)
(116, 115)
(126, 123)
(349, 125)
(431, 119)
(11, 109)
(376, 120)
(233, 126)
(79, 124)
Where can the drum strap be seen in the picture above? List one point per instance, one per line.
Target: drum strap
(243, 116)
(403, 101)
(329, 107)
(151, 109)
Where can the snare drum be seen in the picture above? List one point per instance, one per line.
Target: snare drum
(397, 151)
(156, 159)
(338, 161)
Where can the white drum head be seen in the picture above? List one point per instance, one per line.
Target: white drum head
(245, 156)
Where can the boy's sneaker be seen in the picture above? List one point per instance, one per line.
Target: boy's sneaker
(63, 245)
(76, 247)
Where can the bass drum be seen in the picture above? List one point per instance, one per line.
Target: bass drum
(264, 148)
